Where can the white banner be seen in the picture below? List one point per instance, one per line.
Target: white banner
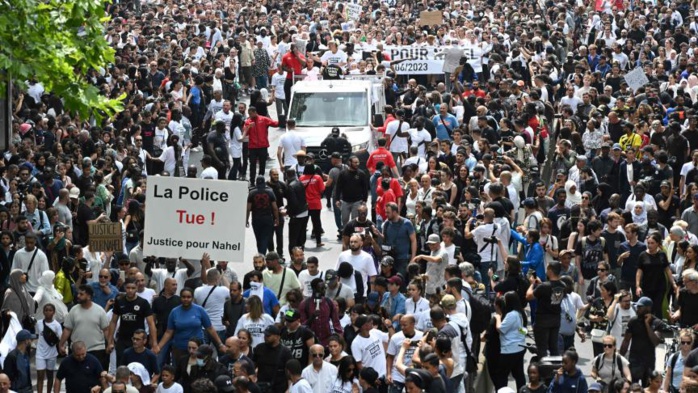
(188, 217)
(636, 78)
(421, 61)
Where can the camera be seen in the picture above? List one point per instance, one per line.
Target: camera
(532, 274)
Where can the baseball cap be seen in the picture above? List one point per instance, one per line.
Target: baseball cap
(644, 302)
(387, 261)
(292, 315)
(330, 275)
(336, 155)
(448, 301)
(24, 335)
(372, 298)
(74, 193)
(272, 330)
(395, 280)
(665, 183)
(529, 202)
(616, 146)
(224, 384)
(565, 252)
(433, 239)
(596, 387)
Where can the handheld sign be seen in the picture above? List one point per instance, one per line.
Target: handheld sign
(188, 217)
(636, 78)
(106, 236)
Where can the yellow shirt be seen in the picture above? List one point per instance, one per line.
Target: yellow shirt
(632, 140)
(63, 286)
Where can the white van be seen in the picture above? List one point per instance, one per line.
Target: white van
(350, 105)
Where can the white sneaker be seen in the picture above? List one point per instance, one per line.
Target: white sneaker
(196, 149)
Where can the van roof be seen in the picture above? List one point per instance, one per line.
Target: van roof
(332, 85)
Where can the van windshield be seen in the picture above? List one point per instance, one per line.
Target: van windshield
(329, 109)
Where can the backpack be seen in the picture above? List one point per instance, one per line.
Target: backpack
(482, 310)
(50, 336)
(598, 363)
(591, 257)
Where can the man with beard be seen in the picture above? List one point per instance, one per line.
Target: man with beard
(642, 331)
(270, 358)
(559, 213)
(258, 265)
(87, 323)
(358, 225)
(162, 306)
(234, 308)
(269, 300)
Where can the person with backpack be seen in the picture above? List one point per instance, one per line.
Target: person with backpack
(589, 251)
(319, 314)
(570, 306)
(676, 364)
(549, 295)
(49, 331)
(610, 366)
(511, 325)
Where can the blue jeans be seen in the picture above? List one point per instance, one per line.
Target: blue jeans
(337, 215)
(263, 228)
(396, 387)
(261, 81)
(164, 355)
(483, 269)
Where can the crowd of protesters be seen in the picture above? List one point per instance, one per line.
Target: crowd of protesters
(526, 195)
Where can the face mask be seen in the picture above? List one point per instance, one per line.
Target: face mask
(200, 362)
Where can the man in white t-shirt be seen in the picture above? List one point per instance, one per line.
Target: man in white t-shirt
(320, 374)
(212, 298)
(407, 332)
(308, 275)
(484, 236)
(360, 260)
(397, 132)
(367, 347)
(334, 56)
(290, 143)
(208, 172)
(420, 137)
(280, 99)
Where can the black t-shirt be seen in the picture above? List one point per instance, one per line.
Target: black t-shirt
(356, 227)
(296, 342)
(541, 389)
(332, 72)
(147, 358)
(688, 304)
(271, 365)
(148, 135)
(133, 314)
(642, 350)
(653, 268)
(261, 201)
(219, 146)
(592, 254)
(558, 215)
(162, 306)
(549, 295)
(81, 235)
(613, 242)
(658, 139)
(665, 215)
(80, 376)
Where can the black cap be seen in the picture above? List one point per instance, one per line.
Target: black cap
(292, 315)
(336, 155)
(272, 330)
(224, 384)
(330, 275)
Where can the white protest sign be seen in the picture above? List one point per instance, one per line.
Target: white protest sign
(636, 78)
(189, 217)
(352, 11)
(421, 61)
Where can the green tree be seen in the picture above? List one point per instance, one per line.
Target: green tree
(57, 42)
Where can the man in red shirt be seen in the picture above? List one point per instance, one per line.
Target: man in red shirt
(257, 128)
(292, 62)
(389, 116)
(381, 154)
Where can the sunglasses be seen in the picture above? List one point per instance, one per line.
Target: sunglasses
(601, 270)
(317, 355)
(101, 276)
(686, 342)
(608, 345)
(585, 197)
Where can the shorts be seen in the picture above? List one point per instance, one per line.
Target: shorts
(246, 74)
(46, 364)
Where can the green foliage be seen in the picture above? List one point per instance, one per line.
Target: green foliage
(57, 42)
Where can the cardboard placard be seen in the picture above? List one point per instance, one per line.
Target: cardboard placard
(430, 18)
(106, 236)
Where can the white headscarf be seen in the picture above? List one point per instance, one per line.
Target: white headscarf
(572, 198)
(639, 219)
(47, 293)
